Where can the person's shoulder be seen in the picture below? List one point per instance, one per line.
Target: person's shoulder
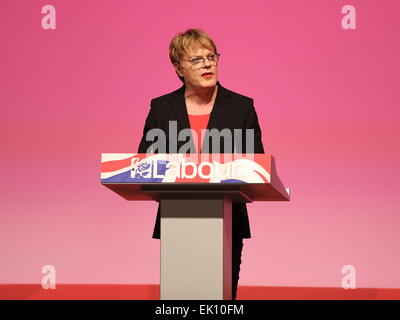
(239, 99)
(236, 95)
(164, 98)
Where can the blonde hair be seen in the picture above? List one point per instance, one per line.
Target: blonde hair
(191, 38)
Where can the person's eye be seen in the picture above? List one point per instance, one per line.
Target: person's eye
(196, 60)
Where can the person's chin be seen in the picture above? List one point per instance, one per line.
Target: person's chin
(208, 82)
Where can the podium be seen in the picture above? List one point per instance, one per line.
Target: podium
(195, 192)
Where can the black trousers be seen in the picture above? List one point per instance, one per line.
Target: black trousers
(237, 246)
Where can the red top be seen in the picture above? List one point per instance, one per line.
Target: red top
(198, 123)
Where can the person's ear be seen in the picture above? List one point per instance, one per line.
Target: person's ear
(178, 69)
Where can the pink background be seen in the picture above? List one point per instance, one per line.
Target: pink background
(328, 104)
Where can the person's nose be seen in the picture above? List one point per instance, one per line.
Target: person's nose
(207, 62)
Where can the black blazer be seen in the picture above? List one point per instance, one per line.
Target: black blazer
(231, 111)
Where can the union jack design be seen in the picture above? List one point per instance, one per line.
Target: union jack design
(141, 168)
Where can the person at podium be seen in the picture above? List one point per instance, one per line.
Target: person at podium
(202, 102)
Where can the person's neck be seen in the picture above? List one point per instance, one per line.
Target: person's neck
(201, 96)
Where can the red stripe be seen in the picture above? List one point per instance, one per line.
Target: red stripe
(114, 165)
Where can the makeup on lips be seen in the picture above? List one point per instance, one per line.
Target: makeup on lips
(207, 75)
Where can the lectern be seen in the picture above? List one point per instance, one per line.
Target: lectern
(196, 192)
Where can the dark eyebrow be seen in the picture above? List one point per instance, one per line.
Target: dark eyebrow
(202, 56)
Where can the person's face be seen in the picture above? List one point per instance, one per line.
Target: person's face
(193, 74)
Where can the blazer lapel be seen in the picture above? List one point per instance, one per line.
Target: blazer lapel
(220, 106)
(217, 112)
(179, 106)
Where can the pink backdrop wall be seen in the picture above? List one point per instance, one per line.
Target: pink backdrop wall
(328, 103)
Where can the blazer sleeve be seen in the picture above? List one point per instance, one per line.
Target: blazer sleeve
(149, 124)
(251, 122)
